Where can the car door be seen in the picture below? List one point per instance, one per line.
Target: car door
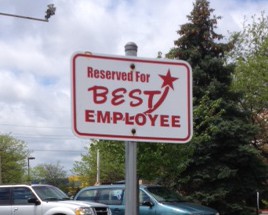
(146, 204)
(20, 204)
(5, 201)
(113, 197)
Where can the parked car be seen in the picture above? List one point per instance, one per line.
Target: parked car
(44, 200)
(153, 200)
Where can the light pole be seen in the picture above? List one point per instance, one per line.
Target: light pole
(0, 168)
(1, 161)
(28, 159)
(98, 167)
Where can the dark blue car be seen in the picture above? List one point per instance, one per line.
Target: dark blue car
(153, 200)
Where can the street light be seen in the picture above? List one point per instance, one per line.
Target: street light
(49, 12)
(28, 159)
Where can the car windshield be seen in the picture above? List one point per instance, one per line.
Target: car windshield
(163, 194)
(50, 193)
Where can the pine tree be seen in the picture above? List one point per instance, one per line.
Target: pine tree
(224, 171)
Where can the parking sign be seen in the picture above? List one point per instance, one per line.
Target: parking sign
(131, 98)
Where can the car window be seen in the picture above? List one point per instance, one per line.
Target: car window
(110, 196)
(143, 197)
(4, 196)
(21, 195)
(162, 194)
(50, 193)
(87, 195)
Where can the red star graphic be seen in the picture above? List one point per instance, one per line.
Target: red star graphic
(168, 80)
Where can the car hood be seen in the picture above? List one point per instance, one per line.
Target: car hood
(190, 207)
(82, 203)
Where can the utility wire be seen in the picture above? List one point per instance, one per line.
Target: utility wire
(30, 126)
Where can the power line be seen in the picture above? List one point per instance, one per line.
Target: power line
(55, 150)
(59, 138)
(31, 126)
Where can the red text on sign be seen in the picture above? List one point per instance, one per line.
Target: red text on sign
(119, 95)
(139, 119)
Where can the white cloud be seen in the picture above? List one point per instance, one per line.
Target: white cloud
(35, 58)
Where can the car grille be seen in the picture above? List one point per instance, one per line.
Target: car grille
(101, 211)
(205, 213)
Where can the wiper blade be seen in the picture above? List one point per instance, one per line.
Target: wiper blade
(51, 199)
(65, 198)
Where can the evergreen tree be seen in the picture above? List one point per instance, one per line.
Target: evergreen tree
(224, 170)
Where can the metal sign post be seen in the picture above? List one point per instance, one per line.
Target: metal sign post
(131, 192)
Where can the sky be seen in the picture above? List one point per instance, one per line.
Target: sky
(35, 58)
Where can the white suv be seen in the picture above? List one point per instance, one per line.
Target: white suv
(44, 200)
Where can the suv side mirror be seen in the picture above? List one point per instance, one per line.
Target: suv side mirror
(148, 203)
(34, 200)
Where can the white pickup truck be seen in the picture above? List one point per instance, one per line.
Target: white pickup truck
(44, 200)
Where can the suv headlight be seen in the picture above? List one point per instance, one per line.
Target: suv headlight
(84, 211)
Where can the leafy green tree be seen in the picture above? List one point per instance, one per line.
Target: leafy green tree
(250, 40)
(251, 77)
(53, 174)
(160, 163)
(156, 162)
(222, 170)
(111, 154)
(13, 154)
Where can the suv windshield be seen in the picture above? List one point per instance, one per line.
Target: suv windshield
(50, 193)
(162, 194)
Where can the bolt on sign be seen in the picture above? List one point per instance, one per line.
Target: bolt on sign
(131, 99)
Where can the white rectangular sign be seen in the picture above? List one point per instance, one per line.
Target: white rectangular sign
(131, 98)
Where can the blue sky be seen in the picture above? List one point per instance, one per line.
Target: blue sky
(35, 104)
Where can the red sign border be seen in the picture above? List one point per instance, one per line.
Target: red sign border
(127, 137)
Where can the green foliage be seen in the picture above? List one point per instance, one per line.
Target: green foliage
(251, 76)
(197, 46)
(224, 170)
(156, 162)
(111, 165)
(219, 167)
(160, 163)
(249, 42)
(13, 155)
(53, 174)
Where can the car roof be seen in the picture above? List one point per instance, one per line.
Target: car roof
(25, 185)
(106, 186)
(15, 185)
(42, 185)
